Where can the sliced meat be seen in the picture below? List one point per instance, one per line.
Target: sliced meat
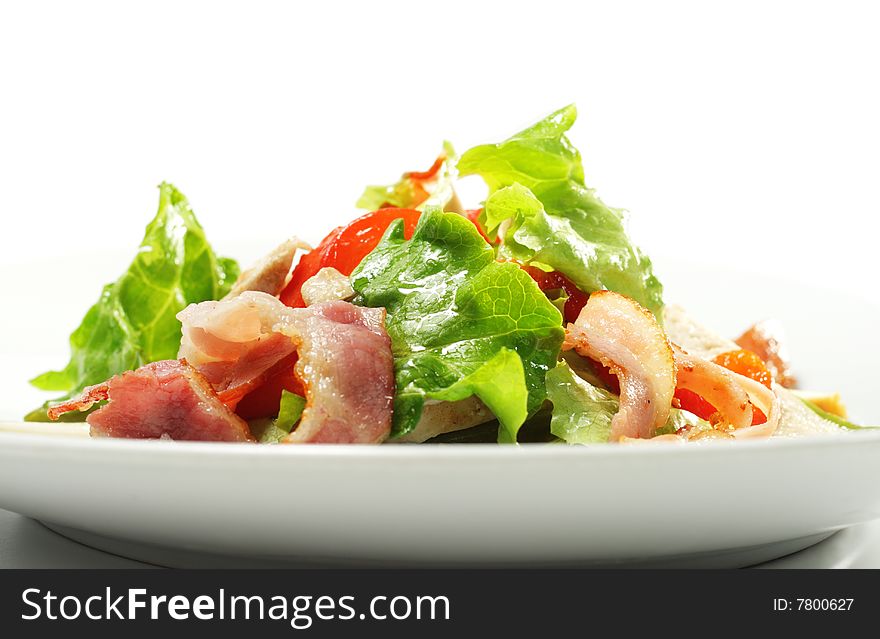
(767, 400)
(767, 340)
(716, 385)
(89, 396)
(617, 332)
(231, 342)
(347, 368)
(163, 399)
(343, 352)
(269, 275)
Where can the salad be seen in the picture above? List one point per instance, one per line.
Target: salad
(530, 317)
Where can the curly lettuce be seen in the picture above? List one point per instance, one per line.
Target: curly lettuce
(133, 322)
(546, 215)
(460, 323)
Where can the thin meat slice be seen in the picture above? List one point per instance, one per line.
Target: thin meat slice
(730, 390)
(166, 399)
(347, 368)
(717, 385)
(270, 274)
(343, 355)
(231, 342)
(90, 395)
(767, 400)
(626, 338)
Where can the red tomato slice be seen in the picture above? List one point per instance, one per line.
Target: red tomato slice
(345, 247)
(552, 280)
(474, 216)
(265, 400)
(430, 173)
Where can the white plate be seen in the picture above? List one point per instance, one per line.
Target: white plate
(439, 504)
(717, 503)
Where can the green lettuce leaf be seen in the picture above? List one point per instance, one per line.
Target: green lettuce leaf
(460, 323)
(291, 410)
(273, 431)
(133, 322)
(555, 220)
(582, 412)
(403, 194)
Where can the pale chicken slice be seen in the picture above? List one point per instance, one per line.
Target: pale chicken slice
(270, 273)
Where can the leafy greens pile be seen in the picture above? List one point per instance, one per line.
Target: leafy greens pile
(536, 183)
(460, 322)
(133, 322)
(464, 319)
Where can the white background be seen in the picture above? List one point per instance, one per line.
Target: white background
(743, 134)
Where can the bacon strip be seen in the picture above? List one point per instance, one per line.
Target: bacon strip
(231, 342)
(89, 396)
(733, 394)
(626, 338)
(717, 385)
(344, 359)
(163, 399)
(765, 399)
(347, 368)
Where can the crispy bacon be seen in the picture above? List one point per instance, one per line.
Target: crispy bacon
(168, 398)
(626, 338)
(765, 399)
(716, 385)
(343, 359)
(734, 395)
(621, 335)
(231, 342)
(347, 368)
(90, 395)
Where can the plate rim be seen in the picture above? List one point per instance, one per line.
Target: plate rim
(40, 443)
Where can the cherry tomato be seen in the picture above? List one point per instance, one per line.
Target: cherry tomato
(265, 400)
